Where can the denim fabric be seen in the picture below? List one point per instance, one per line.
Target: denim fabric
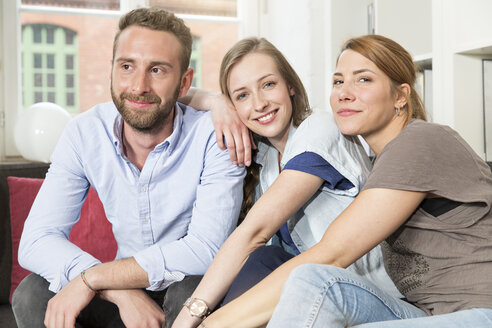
(32, 295)
(318, 296)
(476, 318)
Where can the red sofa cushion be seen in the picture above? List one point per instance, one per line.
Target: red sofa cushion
(92, 233)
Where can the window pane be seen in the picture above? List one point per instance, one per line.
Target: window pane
(70, 99)
(193, 65)
(38, 61)
(50, 60)
(38, 97)
(69, 37)
(36, 29)
(51, 80)
(50, 35)
(198, 7)
(69, 61)
(69, 81)
(51, 97)
(38, 80)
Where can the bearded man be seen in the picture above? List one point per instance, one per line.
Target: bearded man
(171, 194)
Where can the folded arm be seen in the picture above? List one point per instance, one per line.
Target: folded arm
(372, 217)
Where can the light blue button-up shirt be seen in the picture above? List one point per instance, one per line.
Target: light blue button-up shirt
(172, 216)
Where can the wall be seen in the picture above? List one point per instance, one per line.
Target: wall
(472, 23)
(11, 81)
(462, 39)
(407, 22)
(298, 31)
(348, 19)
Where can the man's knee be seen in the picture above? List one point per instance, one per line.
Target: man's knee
(177, 294)
(30, 300)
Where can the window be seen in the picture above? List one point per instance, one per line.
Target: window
(49, 66)
(61, 51)
(196, 62)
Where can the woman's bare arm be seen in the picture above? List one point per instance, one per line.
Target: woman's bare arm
(286, 195)
(371, 217)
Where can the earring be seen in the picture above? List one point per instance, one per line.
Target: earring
(397, 109)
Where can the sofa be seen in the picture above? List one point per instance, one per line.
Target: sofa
(99, 242)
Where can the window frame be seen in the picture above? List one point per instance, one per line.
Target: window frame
(10, 53)
(59, 49)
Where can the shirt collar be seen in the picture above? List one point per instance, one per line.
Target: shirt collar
(170, 142)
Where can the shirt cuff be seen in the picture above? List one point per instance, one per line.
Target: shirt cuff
(65, 276)
(152, 261)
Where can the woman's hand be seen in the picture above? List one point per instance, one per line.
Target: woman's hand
(228, 126)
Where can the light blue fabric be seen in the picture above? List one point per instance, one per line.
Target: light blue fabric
(173, 216)
(318, 296)
(319, 134)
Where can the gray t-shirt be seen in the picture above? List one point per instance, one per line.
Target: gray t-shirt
(440, 263)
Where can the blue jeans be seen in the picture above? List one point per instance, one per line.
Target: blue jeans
(326, 296)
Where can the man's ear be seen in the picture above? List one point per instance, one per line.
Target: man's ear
(403, 95)
(186, 80)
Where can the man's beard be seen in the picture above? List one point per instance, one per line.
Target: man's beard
(149, 119)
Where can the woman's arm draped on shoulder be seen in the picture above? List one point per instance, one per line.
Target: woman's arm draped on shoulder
(286, 195)
(228, 126)
(371, 217)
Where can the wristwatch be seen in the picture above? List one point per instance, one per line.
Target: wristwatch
(198, 307)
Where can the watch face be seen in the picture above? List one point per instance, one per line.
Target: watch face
(198, 307)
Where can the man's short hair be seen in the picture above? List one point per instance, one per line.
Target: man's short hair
(158, 19)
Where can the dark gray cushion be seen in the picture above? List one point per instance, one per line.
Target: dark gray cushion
(7, 319)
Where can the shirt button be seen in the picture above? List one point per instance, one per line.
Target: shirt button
(143, 189)
(145, 221)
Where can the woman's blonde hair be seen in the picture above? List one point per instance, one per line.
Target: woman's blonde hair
(300, 102)
(396, 63)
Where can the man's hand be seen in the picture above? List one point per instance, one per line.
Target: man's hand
(136, 308)
(228, 125)
(64, 308)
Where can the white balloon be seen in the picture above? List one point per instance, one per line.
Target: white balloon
(38, 129)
